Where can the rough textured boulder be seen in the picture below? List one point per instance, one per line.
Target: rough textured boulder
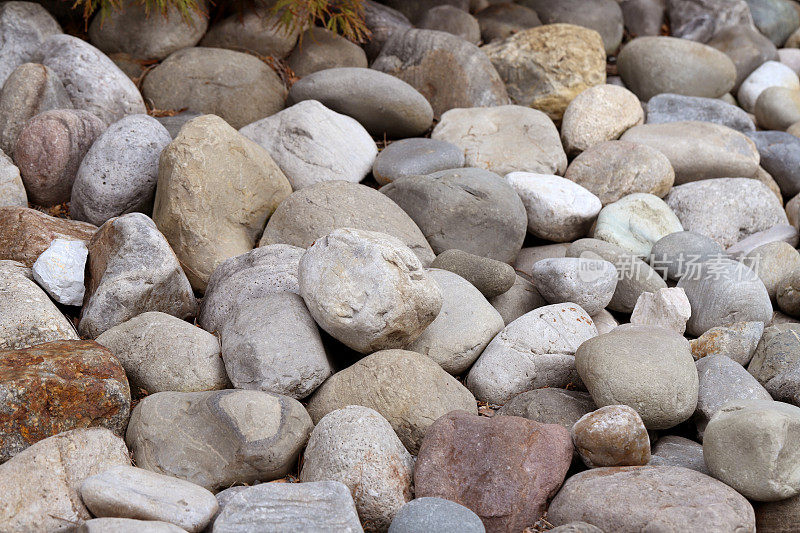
(23, 28)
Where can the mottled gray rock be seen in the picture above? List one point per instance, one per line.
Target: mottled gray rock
(613, 435)
(738, 341)
(452, 20)
(550, 406)
(162, 353)
(414, 9)
(322, 49)
(236, 86)
(726, 209)
(655, 65)
(127, 525)
(311, 144)
(746, 47)
(502, 20)
(469, 209)
(408, 389)
(752, 446)
(504, 139)
(667, 107)
(59, 271)
(664, 498)
(255, 30)
(772, 262)
(590, 283)
(435, 514)
(644, 367)
(129, 492)
(29, 90)
(521, 298)
(296, 507)
(357, 446)
(217, 438)
(119, 172)
(415, 157)
(23, 28)
(93, 82)
(776, 19)
(132, 269)
(490, 277)
(367, 289)
(780, 156)
(415, 56)
(600, 113)
(383, 104)
(671, 450)
(603, 16)
(315, 211)
(680, 253)
(382, 22)
(700, 20)
(776, 362)
(536, 350)
(12, 190)
(769, 74)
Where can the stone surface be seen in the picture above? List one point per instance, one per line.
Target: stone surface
(643, 17)
(176, 122)
(668, 308)
(129, 492)
(504, 139)
(614, 169)
(681, 253)
(503, 468)
(746, 47)
(644, 367)
(462, 329)
(134, 30)
(469, 209)
(699, 150)
(383, 22)
(247, 187)
(315, 211)
(769, 74)
(322, 49)
(435, 514)
(237, 87)
(126, 525)
(777, 108)
(367, 289)
(357, 446)
(671, 450)
(739, 207)
(603, 16)
(58, 386)
(700, 20)
(12, 190)
(23, 28)
(162, 353)
(217, 438)
(589, 283)
(310, 143)
(59, 271)
(780, 158)
(254, 30)
(751, 445)
(41, 483)
(417, 56)
(315, 506)
(502, 20)
(535, 351)
(93, 82)
(550, 406)
(635, 222)
(787, 295)
(546, 67)
(490, 277)
(415, 157)
(521, 298)
(737, 341)
(49, 151)
(452, 20)
(613, 435)
(722, 292)
(774, 18)
(600, 113)
(655, 65)
(772, 262)
(663, 498)
(558, 209)
(131, 270)
(775, 362)
(666, 107)
(381, 103)
(118, 174)
(408, 389)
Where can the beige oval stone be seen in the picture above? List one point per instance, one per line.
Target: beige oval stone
(600, 113)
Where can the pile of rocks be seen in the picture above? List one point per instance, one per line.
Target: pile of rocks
(505, 267)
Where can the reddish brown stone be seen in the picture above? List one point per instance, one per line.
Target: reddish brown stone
(504, 468)
(58, 386)
(26, 233)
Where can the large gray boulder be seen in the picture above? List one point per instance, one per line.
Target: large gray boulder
(23, 28)
(776, 362)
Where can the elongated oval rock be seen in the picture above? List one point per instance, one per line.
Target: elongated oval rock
(636, 222)
(667, 107)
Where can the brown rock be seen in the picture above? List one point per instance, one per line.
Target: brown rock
(613, 435)
(58, 386)
(547, 66)
(26, 233)
(503, 468)
(320, 49)
(778, 517)
(49, 150)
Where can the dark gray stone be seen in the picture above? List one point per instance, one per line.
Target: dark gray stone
(671, 450)
(603, 16)
(643, 17)
(320, 49)
(382, 22)
(415, 157)
(502, 20)
(550, 406)
(746, 47)
(451, 20)
(681, 252)
(700, 20)
(414, 9)
(435, 514)
(23, 28)
(669, 107)
(521, 298)
(174, 123)
(780, 156)
(490, 277)
(255, 30)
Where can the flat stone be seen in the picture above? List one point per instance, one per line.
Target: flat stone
(668, 308)
(357, 446)
(452, 20)
(254, 29)
(600, 113)
(772, 262)
(737, 341)
(12, 190)
(217, 438)
(776, 360)
(160, 352)
(769, 74)
(415, 157)
(671, 450)
(311, 213)
(59, 271)
(535, 351)
(93, 82)
(668, 498)
(129, 492)
(667, 107)
(700, 20)
(647, 368)
(488, 465)
(408, 389)
(681, 253)
(435, 514)
(310, 143)
(469, 209)
(655, 65)
(24, 26)
(613, 435)
(521, 298)
(589, 283)
(546, 67)
(504, 139)
(209, 151)
(777, 108)
(41, 483)
(746, 46)
(550, 406)
(490, 277)
(502, 20)
(779, 157)
(614, 169)
(416, 55)
(322, 49)
(119, 172)
(238, 87)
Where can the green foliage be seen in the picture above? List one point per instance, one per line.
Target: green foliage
(104, 7)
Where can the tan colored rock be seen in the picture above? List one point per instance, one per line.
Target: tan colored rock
(26, 233)
(548, 66)
(216, 190)
(600, 113)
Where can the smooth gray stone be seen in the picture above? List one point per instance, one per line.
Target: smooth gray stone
(700, 20)
(324, 49)
(255, 29)
(669, 107)
(174, 123)
(414, 9)
(435, 514)
(590, 283)
(521, 298)
(451, 20)
(643, 17)
(671, 450)
(776, 362)
(550, 406)
(777, 19)
(382, 22)
(746, 47)
(502, 20)
(490, 277)
(603, 16)
(415, 157)
(24, 26)
(678, 253)
(780, 156)
(127, 525)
